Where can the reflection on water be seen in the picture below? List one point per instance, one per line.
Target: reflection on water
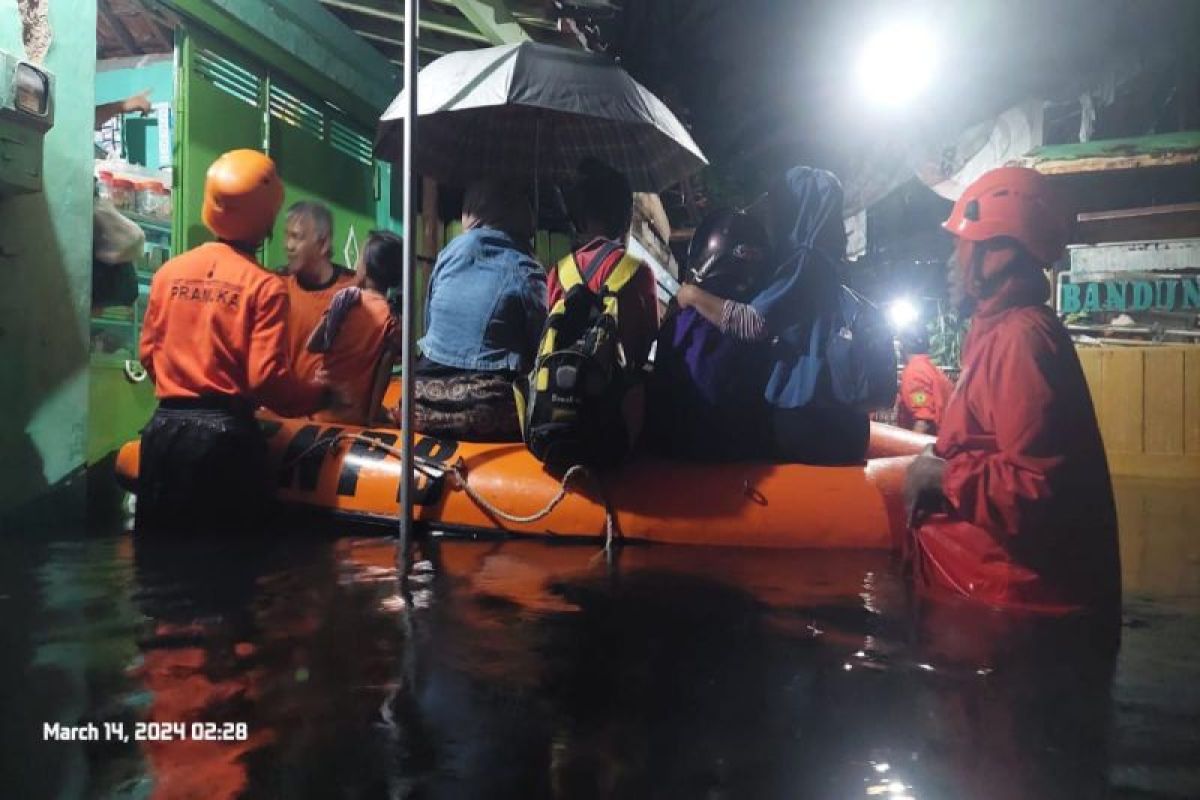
(529, 670)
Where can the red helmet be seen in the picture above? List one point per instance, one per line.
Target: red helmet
(1013, 202)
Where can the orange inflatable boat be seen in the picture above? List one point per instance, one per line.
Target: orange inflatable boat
(467, 487)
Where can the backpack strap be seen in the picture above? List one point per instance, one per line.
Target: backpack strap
(622, 274)
(600, 260)
(568, 273)
(570, 276)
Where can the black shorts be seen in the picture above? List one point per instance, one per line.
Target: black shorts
(203, 470)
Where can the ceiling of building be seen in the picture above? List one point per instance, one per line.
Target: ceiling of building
(133, 28)
(139, 27)
(450, 25)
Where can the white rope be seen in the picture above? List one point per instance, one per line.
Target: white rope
(435, 469)
(482, 502)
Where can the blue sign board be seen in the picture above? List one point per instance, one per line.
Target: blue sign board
(1166, 293)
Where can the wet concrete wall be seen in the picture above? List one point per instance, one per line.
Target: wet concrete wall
(45, 261)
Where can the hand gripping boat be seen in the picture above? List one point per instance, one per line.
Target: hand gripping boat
(466, 487)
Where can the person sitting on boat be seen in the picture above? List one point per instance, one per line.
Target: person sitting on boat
(601, 205)
(798, 306)
(924, 389)
(484, 313)
(706, 399)
(358, 338)
(215, 342)
(1022, 512)
(311, 278)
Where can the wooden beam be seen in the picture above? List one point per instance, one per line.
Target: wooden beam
(392, 47)
(431, 223)
(1176, 221)
(493, 19)
(1176, 208)
(120, 30)
(535, 21)
(433, 21)
(163, 41)
(391, 31)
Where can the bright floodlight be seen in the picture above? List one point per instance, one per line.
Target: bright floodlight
(896, 64)
(902, 312)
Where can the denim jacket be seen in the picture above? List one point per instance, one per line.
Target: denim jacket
(486, 304)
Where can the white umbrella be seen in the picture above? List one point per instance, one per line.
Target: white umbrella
(530, 109)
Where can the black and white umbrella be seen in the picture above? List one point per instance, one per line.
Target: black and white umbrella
(524, 110)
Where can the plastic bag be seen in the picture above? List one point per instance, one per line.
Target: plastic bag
(115, 238)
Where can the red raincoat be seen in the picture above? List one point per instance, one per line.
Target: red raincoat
(924, 392)
(1032, 523)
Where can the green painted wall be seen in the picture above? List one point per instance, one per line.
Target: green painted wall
(45, 257)
(119, 78)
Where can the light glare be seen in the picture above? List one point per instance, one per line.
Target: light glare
(896, 65)
(902, 312)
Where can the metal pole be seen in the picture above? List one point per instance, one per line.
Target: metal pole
(409, 287)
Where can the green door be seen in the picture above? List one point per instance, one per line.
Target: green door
(227, 101)
(218, 108)
(323, 156)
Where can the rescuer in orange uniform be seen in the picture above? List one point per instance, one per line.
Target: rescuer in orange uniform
(1023, 513)
(215, 341)
(924, 389)
(311, 279)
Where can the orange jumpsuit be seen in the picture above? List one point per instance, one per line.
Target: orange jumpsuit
(307, 305)
(217, 325)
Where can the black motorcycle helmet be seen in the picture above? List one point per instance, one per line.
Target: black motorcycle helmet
(728, 255)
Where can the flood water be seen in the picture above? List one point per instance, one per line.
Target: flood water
(528, 670)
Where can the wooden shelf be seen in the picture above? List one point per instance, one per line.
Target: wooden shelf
(1164, 150)
(1169, 221)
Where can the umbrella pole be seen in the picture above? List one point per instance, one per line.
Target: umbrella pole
(403, 556)
(537, 179)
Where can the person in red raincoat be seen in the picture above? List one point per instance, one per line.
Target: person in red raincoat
(1023, 513)
(924, 389)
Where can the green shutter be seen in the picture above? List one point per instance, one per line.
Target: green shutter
(218, 108)
(321, 156)
(227, 101)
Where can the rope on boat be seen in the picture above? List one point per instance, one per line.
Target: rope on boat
(434, 469)
(610, 520)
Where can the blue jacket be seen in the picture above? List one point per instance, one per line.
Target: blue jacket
(801, 306)
(486, 304)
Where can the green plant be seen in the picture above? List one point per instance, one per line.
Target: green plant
(946, 333)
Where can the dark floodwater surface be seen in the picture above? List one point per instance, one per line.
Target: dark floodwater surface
(527, 670)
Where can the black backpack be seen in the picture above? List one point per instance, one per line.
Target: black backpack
(861, 355)
(570, 404)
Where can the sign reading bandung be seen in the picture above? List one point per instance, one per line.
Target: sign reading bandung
(1159, 293)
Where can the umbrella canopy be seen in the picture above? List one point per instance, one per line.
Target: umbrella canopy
(520, 110)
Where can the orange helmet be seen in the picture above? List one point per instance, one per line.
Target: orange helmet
(1013, 202)
(242, 196)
